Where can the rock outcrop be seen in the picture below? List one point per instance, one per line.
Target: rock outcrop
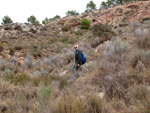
(115, 16)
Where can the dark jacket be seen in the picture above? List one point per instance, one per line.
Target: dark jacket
(78, 57)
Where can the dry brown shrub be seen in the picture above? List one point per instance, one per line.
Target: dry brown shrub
(103, 31)
(142, 56)
(140, 98)
(70, 104)
(16, 99)
(115, 106)
(115, 86)
(73, 103)
(94, 104)
(143, 38)
(134, 77)
(139, 92)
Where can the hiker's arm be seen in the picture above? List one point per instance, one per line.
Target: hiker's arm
(80, 58)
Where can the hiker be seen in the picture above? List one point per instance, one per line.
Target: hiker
(80, 59)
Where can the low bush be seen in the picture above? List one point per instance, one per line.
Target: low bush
(20, 79)
(45, 80)
(140, 95)
(142, 56)
(12, 51)
(139, 92)
(68, 40)
(116, 49)
(71, 103)
(134, 25)
(66, 28)
(115, 86)
(2, 62)
(44, 94)
(28, 61)
(62, 83)
(143, 38)
(85, 24)
(103, 31)
(78, 33)
(94, 104)
(96, 42)
(145, 19)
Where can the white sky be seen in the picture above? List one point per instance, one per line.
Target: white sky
(20, 10)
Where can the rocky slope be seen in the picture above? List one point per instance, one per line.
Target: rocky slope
(22, 37)
(115, 16)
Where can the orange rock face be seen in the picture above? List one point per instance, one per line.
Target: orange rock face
(115, 16)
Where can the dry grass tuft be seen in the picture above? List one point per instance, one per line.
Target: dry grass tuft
(143, 38)
(70, 103)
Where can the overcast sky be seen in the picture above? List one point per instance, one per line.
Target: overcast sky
(20, 10)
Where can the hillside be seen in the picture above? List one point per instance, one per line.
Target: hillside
(36, 63)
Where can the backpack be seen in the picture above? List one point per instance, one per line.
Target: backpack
(83, 57)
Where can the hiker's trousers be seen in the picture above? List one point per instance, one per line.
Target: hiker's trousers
(75, 70)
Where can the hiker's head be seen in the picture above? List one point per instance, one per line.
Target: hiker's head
(76, 47)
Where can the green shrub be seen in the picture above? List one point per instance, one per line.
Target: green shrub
(85, 24)
(45, 92)
(52, 40)
(46, 80)
(99, 29)
(145, 19)
(9, 75)
(12, 51)
(66, 28)
(64, 39)
(78, 32)
(68, 40)
(35, 49)
(20, 79)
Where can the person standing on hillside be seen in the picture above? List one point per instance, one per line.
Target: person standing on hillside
(78, 61)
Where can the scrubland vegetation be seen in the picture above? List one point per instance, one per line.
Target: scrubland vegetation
(115, 78)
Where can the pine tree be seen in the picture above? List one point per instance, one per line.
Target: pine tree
(6, 20)
(90, 6)
(71, 13)
(32, 19)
